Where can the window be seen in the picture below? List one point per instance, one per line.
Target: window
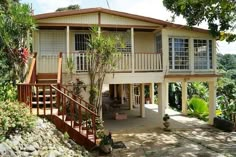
(81, 41)
(202, 54)
(178, 53)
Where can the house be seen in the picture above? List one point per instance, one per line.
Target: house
(155, 51)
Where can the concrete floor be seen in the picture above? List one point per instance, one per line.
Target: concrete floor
(189, 137)
(177, 121)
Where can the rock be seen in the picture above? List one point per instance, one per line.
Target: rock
(30, 148)
(24, 154)
(54, 153)
(36, 145)
(44, 140)
(106, 148)
(35, 153)
(5, 150)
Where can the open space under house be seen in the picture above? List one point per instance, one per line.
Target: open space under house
(155, 51)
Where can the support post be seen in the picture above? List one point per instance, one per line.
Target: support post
(115, 91)
(184, 97)
(152, 92)
(67, 40)
(162, 101)
(212, 101)
(132, 48)
(142, 107)
(131, 94)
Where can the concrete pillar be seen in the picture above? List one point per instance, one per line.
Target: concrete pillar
(152, 92)
(115, 91)
(184, 97)
(131, 94)
(212, 101)
(67, 40)
(162, 101)
(142, 98)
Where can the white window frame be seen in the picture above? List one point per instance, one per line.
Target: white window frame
(209, 66)
(173, 53)
(79, 33)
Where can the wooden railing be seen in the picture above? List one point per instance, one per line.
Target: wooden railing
(31, 77)
(59, 69)
(68, 89)
(77, 114)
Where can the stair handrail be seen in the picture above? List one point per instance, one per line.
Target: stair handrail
(78, 97)
(31, 77)
(59, 69)
(61, 92)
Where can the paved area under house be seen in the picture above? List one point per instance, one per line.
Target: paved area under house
(189, 137)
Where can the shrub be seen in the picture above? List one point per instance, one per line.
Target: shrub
(198, 108)
(7, 91)
(14, 116)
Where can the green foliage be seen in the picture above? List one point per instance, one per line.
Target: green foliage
(70, 7)
(198, 108)
(66, 136)
(7, 91)
(14, 117)
(199, 89)
(70, 65)
(102, 57)
(220, 15)
(226, 62)
(15, 22)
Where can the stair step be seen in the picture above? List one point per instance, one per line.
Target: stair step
(47, 76)
(41, 102)
(46, 96)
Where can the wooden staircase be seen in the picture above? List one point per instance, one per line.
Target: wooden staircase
(46, 96)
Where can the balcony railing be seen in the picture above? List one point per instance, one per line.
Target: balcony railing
(140, 62)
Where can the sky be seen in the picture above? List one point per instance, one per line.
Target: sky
(149, 8)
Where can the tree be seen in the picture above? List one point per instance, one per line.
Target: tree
(220, 15)
(102, 58)
(15, 23)
(70, 7)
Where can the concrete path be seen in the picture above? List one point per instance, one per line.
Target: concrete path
(189, 137)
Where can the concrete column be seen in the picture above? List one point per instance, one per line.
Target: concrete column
(212, 101)
(184, 97)
(132, 48)
(67, 40)
(142, 98)
(131, 94)
(115, 91)
(162, 101)
(152, 92)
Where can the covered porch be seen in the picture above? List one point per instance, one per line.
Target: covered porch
(133, 101)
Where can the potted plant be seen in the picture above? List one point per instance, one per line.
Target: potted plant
(166, 122)
(106, 143)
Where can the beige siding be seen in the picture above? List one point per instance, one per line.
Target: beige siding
(144, 42)
(52, 41)
(35, 43)
(80, 19)
(117, 20)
